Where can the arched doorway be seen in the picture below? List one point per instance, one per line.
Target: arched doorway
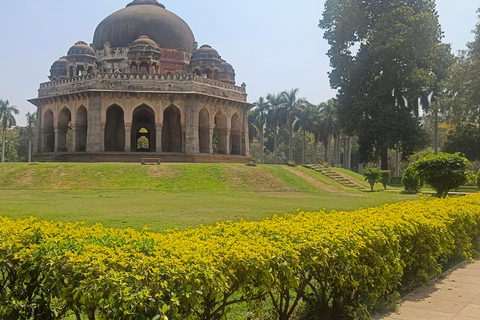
(64, 139)
(172, 130)
(204, 131)
(81, 130)
(220, 133)
(115, 129)
(48, 133)
(235, 135)
(143, 129)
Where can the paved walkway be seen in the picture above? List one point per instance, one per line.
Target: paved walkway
(454, 295)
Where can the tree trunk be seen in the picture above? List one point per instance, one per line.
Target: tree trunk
(329, 146)
(384, 158)
(262, 145)
(275, 144)
(303, 148)
(315, 158)
(29, 149)
(290, 137)
(4, 137)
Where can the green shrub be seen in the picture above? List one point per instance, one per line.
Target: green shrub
(411, 180)
(385, 177)
(372, 175)
(443, 172)
(344, 264)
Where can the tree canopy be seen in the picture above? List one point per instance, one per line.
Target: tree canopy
(386, 58)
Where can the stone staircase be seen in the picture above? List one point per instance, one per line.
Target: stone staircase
(332, 174)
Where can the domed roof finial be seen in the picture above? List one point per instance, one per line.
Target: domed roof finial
(145, 2)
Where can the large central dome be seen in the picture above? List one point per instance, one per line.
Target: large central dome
(144, 18)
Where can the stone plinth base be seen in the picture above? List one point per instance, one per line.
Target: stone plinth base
(137, 156)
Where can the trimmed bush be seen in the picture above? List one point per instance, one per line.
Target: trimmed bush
(411, 180)
(346, 264)
(372, 175)
(443, 172)
(385, 177)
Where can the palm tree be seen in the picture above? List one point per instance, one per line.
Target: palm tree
(288, 114)
(31, 118)
(8, 120)
(259, 118)
(308, 119)
(329, 126)
(275, 102)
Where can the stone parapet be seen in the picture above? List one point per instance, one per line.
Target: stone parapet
(142, 82)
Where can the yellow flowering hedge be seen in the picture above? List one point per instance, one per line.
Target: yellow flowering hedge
(346, 264)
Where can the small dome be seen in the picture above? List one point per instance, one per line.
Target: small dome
(205, 52)
(81, 48)
(226, 67)
(59, 67)
(144, 17)
(145, 41)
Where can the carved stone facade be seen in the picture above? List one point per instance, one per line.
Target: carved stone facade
(142, 89)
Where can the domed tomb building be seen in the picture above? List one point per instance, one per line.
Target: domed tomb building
(142, 87)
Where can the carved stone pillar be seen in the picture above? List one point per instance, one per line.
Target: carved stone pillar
(74, 139)
(228, 142)
(128, 137)
(184, 136)
(57, 139)
(102, 137)
(159, 128)
(211, 140)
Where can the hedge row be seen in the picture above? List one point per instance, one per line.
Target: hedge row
(336, 265)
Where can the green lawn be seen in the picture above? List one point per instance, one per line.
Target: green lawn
(170, 195)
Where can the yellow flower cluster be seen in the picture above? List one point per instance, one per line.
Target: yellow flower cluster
(345, 264)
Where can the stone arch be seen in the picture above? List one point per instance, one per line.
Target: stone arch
(219, 139)
(81, 125)
(235, 135)
(115, 129)
(143, 127)
(172, 130)
(64, 139)
(48, 132)
(204, 131)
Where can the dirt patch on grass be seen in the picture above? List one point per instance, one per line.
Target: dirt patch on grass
(26, 179)
(315, 182)
(253, 178)
(161, 171)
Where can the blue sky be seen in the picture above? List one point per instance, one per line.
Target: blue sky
(273, 45)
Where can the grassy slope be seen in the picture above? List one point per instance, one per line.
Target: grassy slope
(170, 195)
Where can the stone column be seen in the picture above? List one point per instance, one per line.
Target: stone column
(128, 137)
(158, 147)
(210, 147)
(183, 138)
(102, 137)
(74, 138)
(96, 129)
(245, 137)
(56, 130)
(192, 141)
(227, 147)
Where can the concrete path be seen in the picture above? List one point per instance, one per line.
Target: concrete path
(454, 295)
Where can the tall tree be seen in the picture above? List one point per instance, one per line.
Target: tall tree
(7, 118)
(259, 119)
(275, 102)
(328, 126)
(31, 118)
(461, 101)
(288, 114)
(308, 120)
(384, 56)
